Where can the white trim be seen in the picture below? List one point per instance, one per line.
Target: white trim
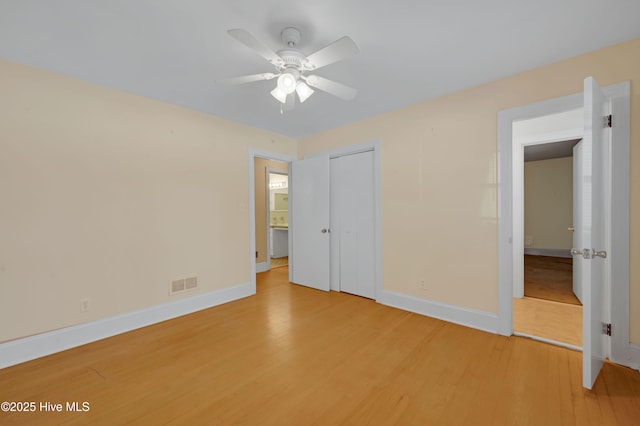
(32, 347)
(376, 147)
(566, 253)
(549, 341)
(479, 320)
(633, 357)
(253, 154)
(262, 266)
(509, 238)
(552, 137)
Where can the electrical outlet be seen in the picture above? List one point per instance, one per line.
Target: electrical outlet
(423, 284)
(84, 305)
(528, 240)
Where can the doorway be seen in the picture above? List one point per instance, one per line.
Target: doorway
(277, 217)
(510, 233)
(263, 169)
(549, 309)
(259, 213)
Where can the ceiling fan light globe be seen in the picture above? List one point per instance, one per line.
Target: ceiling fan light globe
(279, 94)
(287, 83)
(304, 91)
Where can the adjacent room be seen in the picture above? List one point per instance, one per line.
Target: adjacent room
(547, 298)
(261, 212)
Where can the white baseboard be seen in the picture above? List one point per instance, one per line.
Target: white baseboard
(262, 267)
(480, 320)
(548, 252)
(632, 355)
(32, 347)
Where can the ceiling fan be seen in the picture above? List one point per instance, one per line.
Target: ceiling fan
(292, 67)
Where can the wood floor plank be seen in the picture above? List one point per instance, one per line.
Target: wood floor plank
(556, 321)
(292, 355)
(549, 278)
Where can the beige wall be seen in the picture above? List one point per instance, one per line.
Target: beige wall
(109, 196)
(439, 203)
(260, 167)
(548, 203)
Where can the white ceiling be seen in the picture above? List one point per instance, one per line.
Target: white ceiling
(411, 50)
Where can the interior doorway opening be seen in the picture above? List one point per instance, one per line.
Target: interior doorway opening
(270, 177)
(548, 308)
(260, 163)
(277, 217)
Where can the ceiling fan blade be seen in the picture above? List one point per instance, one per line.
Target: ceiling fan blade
(334, 52)
(248, 78)
(334, 88)
(252, 43)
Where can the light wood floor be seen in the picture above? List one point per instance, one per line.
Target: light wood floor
(549, 278)
(292, 355)
(554, 312)
(557, 321)
(277, 262)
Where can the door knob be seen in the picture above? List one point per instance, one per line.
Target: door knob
(571, 228)
(586, 253)
(324, 230)
(602, 254)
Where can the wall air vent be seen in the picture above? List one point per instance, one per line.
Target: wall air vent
(182, 285)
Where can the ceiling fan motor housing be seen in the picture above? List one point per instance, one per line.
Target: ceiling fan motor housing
(290, 36)
(292, 58)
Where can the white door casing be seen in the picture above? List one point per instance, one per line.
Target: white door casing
(309, 222)
(577, 219)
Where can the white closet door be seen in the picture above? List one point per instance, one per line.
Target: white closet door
(309, 223)
(352, 224)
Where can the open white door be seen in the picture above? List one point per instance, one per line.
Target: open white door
(589, 236)
(309, 222)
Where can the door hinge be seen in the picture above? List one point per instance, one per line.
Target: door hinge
(608, 120)
(606, 329)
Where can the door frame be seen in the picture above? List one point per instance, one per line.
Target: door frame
(376, 147)
(518, 148)
(267, 180)
(622, 351)
(253, 154)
